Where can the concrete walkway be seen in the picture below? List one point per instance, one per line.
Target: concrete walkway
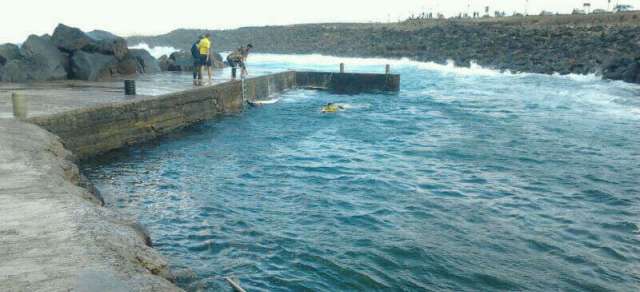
(46, 98)
(53, 234)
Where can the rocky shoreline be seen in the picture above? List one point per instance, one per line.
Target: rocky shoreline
(608, 45)
(55, 234)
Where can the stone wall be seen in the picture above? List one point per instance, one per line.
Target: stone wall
(91, 131)
(348, 82)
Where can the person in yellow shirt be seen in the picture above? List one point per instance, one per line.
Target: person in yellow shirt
(205, 56)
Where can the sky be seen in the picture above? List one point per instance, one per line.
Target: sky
(134, 17)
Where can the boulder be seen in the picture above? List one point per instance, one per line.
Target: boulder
(182, 61)
(70, 39)
(149, 63)
(44, 58)
(92, 66)
(622, 68)
(634, 72)
(129, 66)
(16, 71)
(9, 52)
(99, 35)
(117, 47)
(165, 63)
(109, 44)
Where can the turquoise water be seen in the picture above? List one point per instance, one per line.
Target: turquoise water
(466, 180)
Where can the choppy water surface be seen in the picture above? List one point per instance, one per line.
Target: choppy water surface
(468, 179)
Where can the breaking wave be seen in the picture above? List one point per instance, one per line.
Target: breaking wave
(156, 52)
(353, 64)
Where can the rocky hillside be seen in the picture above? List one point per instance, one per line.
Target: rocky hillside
(606, 44)
(72, 54)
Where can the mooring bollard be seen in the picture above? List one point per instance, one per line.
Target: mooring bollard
(19, 105)
(387, 69)
(129, 87)
(341, 67)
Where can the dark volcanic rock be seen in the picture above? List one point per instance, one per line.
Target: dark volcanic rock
(149, 63)
(99, 35)
(621, 68)
(92, 66)
(164, 63)
(117, 47)
(44, 58)
(109, 44)
(16, 71)
(22, 70)
(181, 61)
(70, 39)
(9, 52)
(129, 66)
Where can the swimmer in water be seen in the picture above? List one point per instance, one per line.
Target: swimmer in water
(332, 108)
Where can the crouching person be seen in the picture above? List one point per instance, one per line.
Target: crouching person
(238, 58)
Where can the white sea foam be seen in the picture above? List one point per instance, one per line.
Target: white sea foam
(156, 52)
(580, 77)
(323, 61)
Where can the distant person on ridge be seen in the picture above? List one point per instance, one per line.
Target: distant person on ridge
(238, 58)
(205, 56)
(195, 54)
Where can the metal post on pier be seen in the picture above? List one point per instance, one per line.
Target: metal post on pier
(387, 69)
(129, 87)
(341, 67)
(19, 105)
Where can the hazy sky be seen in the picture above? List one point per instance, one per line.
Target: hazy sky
(127, 17)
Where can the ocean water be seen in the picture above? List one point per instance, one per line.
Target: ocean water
(468, 179)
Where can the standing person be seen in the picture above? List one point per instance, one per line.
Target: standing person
(238, 58)
(195, 54)
(205, 56)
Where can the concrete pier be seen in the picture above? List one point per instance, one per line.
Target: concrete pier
(93, 130)
(348, 83)
(55, 235)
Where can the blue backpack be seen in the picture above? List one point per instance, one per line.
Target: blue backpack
(195, 52)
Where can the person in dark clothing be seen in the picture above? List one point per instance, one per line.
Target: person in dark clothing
(195, 54)
(238, 58)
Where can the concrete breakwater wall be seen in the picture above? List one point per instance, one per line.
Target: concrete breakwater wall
(91, 131)
(349, 83)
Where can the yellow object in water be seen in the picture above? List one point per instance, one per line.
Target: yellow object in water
(331, 108)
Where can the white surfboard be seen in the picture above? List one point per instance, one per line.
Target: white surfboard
(263, 102)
